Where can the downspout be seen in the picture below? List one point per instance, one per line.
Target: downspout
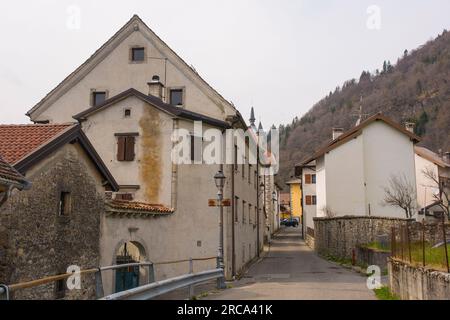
(233, 240)
(174, 182)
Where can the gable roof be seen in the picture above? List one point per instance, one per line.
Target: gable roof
(431, 156)
(25, 145)
(355, 132)
(156, 102)
(10, 176)
(131, 26)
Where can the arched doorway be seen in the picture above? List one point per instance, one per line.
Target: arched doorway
(129, 277)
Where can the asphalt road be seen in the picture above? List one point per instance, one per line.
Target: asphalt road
(292, 271)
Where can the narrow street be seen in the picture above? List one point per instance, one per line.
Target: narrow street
(292, 271)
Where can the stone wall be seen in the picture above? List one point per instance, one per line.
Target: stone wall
(415, 283)
(338, 237)
(36, 242)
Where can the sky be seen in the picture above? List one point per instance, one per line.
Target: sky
(279, 56)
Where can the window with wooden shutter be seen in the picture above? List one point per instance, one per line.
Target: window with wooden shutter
(121, 141)
(308, 200)
(314, 200)
(308, 179)
(126, 148)
(129, 148)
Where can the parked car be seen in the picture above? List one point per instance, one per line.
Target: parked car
(291, 222)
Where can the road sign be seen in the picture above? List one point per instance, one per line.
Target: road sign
(215, 203)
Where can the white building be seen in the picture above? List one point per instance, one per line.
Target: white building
(427, 161)
(353, 170)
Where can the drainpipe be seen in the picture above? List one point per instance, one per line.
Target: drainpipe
(233, 206)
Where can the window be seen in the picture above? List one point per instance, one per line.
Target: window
(137, 54)
(176, 97)
(60, 289)
(235, 158)
(311, 200)
(98, 97)
(124, 196)
(127, 113)
(125, 147)
(250, 213)
(243, 170)
(255, 180)
(64, 204)
(196, 149)
(250, 174)
(310, 179)
(236, 209)
(244, 219)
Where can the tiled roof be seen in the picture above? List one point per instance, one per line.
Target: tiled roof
(133, 207)
(17, 141)
(10, 175)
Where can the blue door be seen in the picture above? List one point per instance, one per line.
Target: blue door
(127, 278)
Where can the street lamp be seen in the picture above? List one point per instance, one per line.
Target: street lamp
(219, 179)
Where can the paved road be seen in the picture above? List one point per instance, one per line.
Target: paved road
(292, 271)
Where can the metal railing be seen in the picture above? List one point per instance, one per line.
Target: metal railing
(6, 290)
(159, 288)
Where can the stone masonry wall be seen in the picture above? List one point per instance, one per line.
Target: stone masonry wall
(416, 283)
(36, 242)
(338, 237)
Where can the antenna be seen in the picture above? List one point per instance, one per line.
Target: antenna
(361, 116)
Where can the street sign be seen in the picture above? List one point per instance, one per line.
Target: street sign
(215, 203)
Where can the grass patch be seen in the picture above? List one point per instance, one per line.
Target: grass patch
(341, 261)
(378, 246)
(384, 293)
(434, 257)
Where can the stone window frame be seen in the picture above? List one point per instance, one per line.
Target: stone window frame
(124, 113)
(130, 54)
(183, 89)
(95, 90)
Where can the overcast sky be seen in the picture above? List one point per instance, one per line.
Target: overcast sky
(278, 56)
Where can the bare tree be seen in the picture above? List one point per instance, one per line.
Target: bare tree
(401, 193)
(328, 212)
(442, 185)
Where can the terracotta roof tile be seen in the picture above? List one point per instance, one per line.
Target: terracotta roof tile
(9, 174)
(138, 207)
(17, 141)
(431, 156)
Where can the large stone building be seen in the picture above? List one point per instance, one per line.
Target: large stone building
(55, 223)
(130, 97)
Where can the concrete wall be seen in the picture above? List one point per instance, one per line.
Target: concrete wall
(36, 242)
(339, 236)
(309, 211)
(415, 283)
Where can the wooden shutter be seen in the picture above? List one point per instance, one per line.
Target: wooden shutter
(129, 148)
(121, 148)
(308, 179)
(308, 200)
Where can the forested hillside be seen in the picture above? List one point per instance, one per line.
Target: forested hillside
(416, 88)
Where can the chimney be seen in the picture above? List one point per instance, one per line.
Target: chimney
(409, 126)
(155, 87)
(337, 132)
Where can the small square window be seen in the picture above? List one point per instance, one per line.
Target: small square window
(176, 97)
(138, 54)
(98, 97)
(65, 205)
(127, 113)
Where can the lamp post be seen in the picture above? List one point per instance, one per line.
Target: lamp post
(219, 179)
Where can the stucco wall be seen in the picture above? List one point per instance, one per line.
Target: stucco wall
(35, 242)
(309, 211)
(416, 283)
(387, 153)
(426, 188)
(116, 74)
